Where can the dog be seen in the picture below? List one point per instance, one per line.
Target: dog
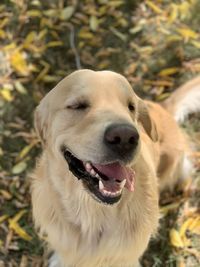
(106, 156)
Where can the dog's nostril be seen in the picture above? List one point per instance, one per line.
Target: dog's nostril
(132, 140)
(116, 140)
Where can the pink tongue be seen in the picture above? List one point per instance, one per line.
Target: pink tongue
(115, 171)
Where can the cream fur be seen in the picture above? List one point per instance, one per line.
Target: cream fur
(82, 231)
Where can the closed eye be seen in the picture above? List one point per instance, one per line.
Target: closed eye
(78, 105)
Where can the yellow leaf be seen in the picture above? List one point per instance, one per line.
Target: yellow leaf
(29, 38)
(169, 207)
(94, 23)
(3, 218)
(6, 94)
(2, 34)
(9, 46)
(185, 226)
(19, 63)
(136, 29)
(25, 151)
(19, 167)
(18, 216)
(186, 241)
(67, 12)
(196, 44)
(42, 73)
(54, 44)
(51, 13)
(119, 34)
(195, 225)
(34, 13)
(168, 71)
(4, 22)
(42, 34)
(173, 14)
(185, 10)
(20, 88)
(173, 38)
(83, 34)
(155, 8)
(115, 3)
(19, 230)
(5, 194)
(175, 239)
(187, 33)
(163, 96)
(50, 78)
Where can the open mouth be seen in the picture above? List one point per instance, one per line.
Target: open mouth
(105, 182)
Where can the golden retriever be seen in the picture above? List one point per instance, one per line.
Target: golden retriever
(106, 154)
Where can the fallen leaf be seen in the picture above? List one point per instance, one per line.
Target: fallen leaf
(6, 94)
(5, 194)
(54, 44)
(94, 23)
(19, 230)
(173, 13)
(168, 71)
(187, 33)
(19, 167)
(19, 63)
(154, 7)
(13, 224)
(3, 218)
(196, 44)
(175, 239)
(117, 33)
(34, 13)
(20, 88)
(85, 34)
(23, 153)
(67, 13)
(2, 34)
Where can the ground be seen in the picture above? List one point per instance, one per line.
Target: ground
(155, 44)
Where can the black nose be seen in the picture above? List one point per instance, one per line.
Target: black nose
(122, 139)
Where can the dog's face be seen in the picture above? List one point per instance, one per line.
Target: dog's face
(92, 119)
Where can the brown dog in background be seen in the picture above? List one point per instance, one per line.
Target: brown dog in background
(105, 153)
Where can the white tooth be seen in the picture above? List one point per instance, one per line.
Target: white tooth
(92, 172)
(105, 192)
(97, 176)
(101, 186)
(123, 183)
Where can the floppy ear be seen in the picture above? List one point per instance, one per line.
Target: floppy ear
(146, 121)
(40, 123)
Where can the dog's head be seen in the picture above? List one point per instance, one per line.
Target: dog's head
(93, 120)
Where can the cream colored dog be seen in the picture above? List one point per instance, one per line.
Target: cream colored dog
(105, 152)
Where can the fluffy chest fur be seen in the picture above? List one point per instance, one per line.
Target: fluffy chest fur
(87, 233)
